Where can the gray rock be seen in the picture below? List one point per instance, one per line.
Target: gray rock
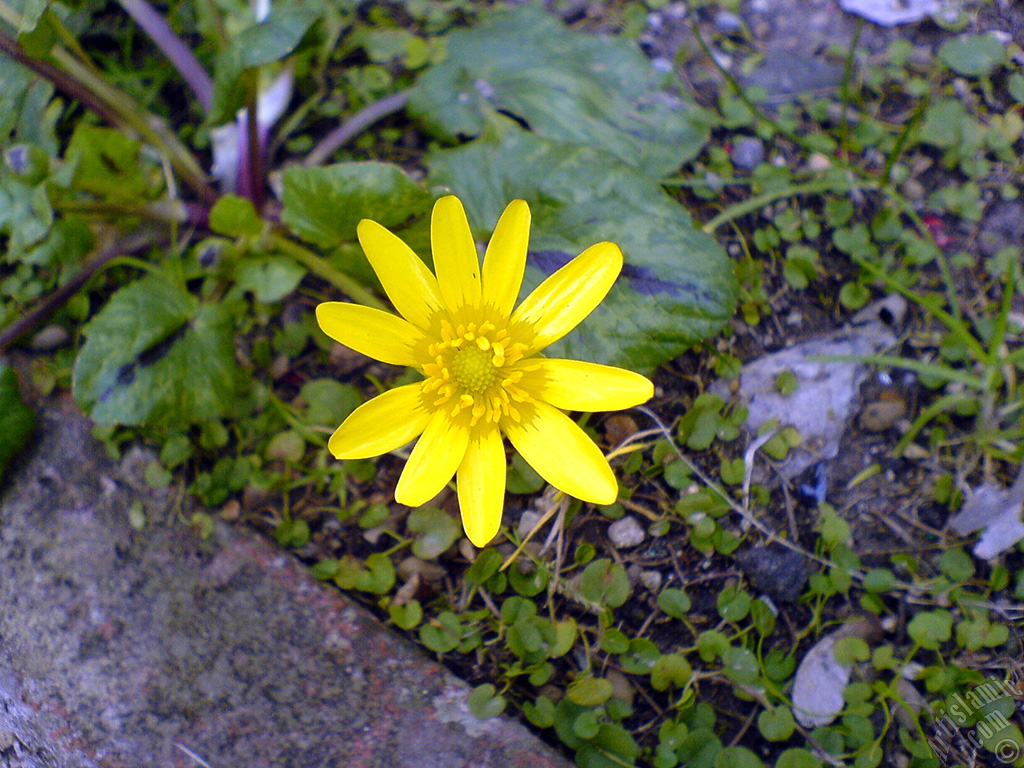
(49, 338)
(626, 532)
(785, 74)
(748, 153)
(776, 571)
(728, 23)
(125, 648)
(827, 390)
(651, 580)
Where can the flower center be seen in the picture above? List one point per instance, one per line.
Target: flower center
(473, 369)
(470, 372)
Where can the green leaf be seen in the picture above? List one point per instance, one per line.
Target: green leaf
(17, 420)
(849, 650)
(378, 576)
(879, 580)
(235, 216)
(24, 99)
(1015, 85)
(740, 665)
(329, 402)
(733, 604)
(443, 634)
(776, 724)
(674, 602)
(271, 40)
(605, 583)
(795, 757)
(930, 629)
(641, 657)
(670, 669)
(484, 702)
(699, 749)
(31, 12)
(407, 615)
(569, 87)
(943, 123)
(436, 531)
(324, 205)
(154, 355)
(590, 691)
(269, 279)
(26, 217)
(540, 713)
(737, 757)
(973, 55)
(678, 285)
(108, 164)
(611, 747)
(292, 533)
(956, 564)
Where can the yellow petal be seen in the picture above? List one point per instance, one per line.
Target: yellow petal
(505, 260)
(562, 454)
(433, 461)
(384, 423)
(561, 302)
(455, 259)
(573, 385)
(411, 287)
(377, 334)
(482, 486)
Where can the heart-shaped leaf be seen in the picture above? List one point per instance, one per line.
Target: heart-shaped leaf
(566, 86)
(677, 286)
(155, 355)
(324, 205)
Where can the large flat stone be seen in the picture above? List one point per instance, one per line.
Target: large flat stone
(156, 648)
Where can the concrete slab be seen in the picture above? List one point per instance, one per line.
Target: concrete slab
(156, 648)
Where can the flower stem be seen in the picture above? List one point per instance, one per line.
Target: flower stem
(138, 241)
(752, 204)
(172, 46)
(360, 121)
(78, 80)
(323, 269)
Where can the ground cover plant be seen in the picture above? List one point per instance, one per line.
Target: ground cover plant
(182, 187)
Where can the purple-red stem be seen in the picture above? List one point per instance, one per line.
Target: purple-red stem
(138, 241)
(59, 78)
(179, 54)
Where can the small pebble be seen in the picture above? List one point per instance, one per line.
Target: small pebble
(651, 580)
(914, 190)
(881, 414)
(778, 572)
(231, 510)
(727, 23)
(49, 338)
(748, 153)
(819, 162)
(626, 532)
(281, 365)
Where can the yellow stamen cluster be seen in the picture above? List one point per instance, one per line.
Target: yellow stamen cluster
(470, 371)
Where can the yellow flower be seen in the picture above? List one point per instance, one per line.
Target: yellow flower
(482, 363)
